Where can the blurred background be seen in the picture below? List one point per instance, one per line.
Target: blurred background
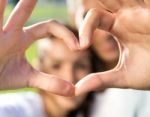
(44, 10)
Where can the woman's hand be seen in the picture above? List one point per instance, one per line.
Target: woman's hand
(15, 71)
(130, 26)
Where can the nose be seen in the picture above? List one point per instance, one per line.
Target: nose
(69, 74)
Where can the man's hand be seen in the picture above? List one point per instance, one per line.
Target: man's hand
(15, 72)
(130, 27)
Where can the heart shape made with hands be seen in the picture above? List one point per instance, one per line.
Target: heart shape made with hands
(128, 25)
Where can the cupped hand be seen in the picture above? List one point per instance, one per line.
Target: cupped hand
(131, 29)
(15, 71)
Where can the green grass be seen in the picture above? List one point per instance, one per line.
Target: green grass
(40, 13)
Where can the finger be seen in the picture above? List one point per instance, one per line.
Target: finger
(130, 3)
(110, 5)
(95, 18)
(48, 28)
(2, 9)
(20, 14)
(51, 84)
(147, 3)
(99, 81)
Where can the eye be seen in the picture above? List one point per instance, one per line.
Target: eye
(111, 39)
(56, 66)
(81, 66)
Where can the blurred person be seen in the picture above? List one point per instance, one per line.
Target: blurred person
(54, 57)
(105, 51)
(110, 102)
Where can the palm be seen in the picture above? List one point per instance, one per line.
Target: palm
(131, 29)
(16, 71)
(134, 61)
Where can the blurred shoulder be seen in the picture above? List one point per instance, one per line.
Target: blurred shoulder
(25, 104)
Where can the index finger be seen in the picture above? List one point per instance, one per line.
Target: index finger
(47, 28)
(95, 18)
(20, 14)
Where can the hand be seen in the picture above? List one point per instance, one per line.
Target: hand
(115, 5)
(130, 27)
(15, 71)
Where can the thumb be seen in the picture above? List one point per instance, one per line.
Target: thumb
(98, 81)
(51, 83)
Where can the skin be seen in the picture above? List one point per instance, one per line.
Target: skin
(70, 66)
(102, 42)
(127, 74)
(113, 6)
(15, 39)
(132, 70)
(106, 48)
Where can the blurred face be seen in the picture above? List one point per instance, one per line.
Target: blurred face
(105, 46)
(103, 43)
(71, 66)
(79, 8)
